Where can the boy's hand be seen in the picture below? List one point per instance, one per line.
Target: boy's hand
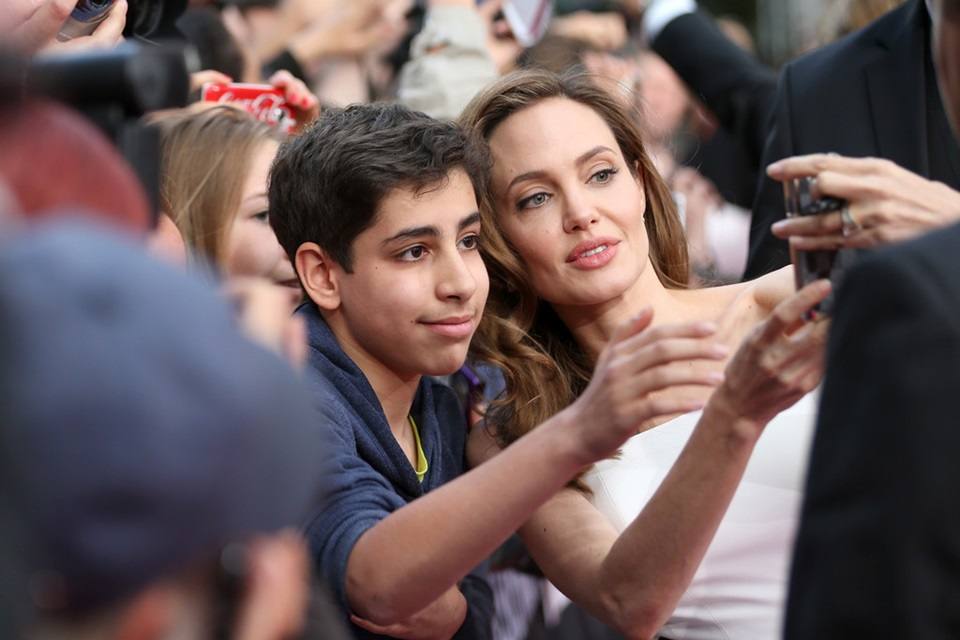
(438, 621)
(636, 363)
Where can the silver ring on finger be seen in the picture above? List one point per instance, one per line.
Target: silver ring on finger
(850, 224)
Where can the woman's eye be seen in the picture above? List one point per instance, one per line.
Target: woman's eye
(604, 175)
(413, 254)
(469, 243)
(536, 200)
(262, 216)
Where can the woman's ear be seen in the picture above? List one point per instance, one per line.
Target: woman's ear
(319, 275)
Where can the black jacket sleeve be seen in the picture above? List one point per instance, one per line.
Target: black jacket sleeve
(767, 252)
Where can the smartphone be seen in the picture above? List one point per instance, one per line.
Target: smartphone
(800, 199)
(528, 19)
(265, 102)
(84, 19)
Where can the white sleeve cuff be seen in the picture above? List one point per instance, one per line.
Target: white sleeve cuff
(660, 13)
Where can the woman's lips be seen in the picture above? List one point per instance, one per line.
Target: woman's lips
(593, 254)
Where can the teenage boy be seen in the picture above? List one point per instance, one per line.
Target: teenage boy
(375, 207)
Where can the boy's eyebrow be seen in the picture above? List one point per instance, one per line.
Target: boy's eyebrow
(430, 230)
(413, 232)
(470, 220)
(583, 157)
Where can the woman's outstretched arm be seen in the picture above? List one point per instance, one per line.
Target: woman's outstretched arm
(634, 580)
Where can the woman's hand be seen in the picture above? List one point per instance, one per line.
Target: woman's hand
(636, 363)
(305, 104)
(778, 363)
(886, 202)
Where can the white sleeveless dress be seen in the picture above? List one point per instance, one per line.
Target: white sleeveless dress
(740, 588)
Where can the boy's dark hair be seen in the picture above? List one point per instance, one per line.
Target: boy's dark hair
(327, 184)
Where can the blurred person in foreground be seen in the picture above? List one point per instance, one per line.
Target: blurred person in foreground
(155, 461)
(878, 550)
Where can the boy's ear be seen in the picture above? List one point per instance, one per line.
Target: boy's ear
(319, 275)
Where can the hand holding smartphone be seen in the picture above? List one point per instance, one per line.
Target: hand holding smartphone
(801, 199)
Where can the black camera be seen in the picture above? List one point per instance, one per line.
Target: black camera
(114, 89)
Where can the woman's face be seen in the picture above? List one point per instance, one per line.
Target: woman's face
(568, 203)
(251, 246)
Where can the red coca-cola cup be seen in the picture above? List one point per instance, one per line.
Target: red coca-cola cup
(263, 101)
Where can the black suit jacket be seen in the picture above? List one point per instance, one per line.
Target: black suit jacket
(865, 95)
(878, 549)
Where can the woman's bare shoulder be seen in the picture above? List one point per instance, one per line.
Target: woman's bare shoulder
(740, 306)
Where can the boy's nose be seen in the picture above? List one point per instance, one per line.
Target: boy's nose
(456, 280)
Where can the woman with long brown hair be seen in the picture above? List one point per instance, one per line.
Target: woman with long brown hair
(580, 233)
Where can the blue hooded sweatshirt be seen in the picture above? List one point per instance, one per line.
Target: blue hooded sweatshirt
(367, 474)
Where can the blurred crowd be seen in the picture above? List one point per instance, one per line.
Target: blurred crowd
(477, 319)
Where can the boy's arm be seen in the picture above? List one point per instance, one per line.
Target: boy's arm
(356, 497)
(415, 554)
(441, 619)
(462, 612)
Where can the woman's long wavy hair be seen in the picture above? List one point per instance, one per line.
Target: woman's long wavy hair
(545, 369)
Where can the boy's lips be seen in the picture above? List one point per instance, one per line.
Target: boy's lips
(452, 326)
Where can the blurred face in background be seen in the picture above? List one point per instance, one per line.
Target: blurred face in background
(664, 100)
(251, 246)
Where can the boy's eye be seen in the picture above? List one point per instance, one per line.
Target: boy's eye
(536, 200)
(262, 216)
(413, 253)
(471, 242)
